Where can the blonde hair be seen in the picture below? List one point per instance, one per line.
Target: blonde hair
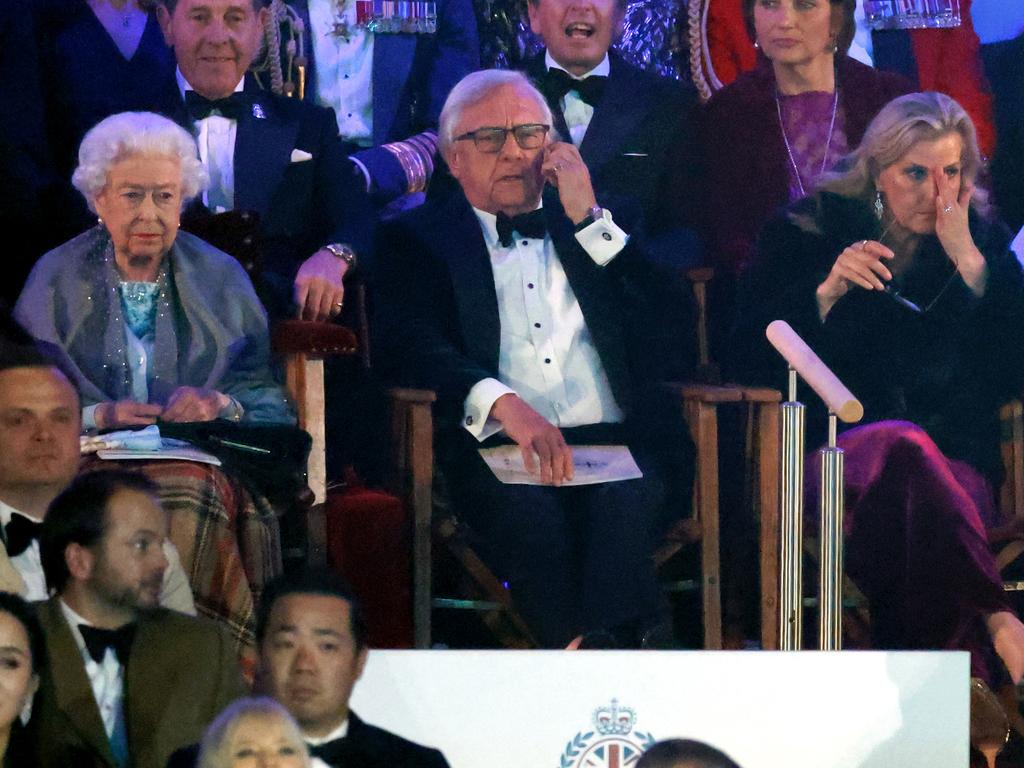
(902, 123)
(216, 745)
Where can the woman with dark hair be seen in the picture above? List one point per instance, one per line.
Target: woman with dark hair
(772, 133)
(895, 275)
(22, 656)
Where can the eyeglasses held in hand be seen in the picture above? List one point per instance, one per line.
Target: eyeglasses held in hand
(491, 140)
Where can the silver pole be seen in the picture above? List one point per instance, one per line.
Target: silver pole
(830, 585)
(791, 523)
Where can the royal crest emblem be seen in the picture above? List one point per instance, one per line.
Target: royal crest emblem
(614, 742)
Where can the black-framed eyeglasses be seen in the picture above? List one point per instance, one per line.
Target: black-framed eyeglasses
(491, 140)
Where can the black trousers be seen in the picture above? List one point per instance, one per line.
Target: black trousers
(576, 559)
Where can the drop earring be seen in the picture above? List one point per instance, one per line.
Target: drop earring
(879, 206)
(757, 45)
(833, 43)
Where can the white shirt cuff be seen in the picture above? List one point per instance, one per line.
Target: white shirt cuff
(366, 173)
(477, 409)
(602, 239)
(89, 416)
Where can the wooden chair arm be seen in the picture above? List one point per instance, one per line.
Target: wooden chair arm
(403, 397)
(312, 339)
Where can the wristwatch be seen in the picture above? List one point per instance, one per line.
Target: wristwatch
(344, 252)
(596, 213)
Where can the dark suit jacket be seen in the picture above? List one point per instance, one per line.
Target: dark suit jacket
(640, 144)
(1005, 68)
(181, 673)
(412, 75)
(302, 205)
(367, 746)
(436, 308)
(748, 178)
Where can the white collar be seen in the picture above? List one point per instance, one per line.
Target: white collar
(338, 733)
(184, 85)
(6, 510)
(603, 67)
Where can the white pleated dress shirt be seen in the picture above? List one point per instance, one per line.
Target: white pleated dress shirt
(546, 354)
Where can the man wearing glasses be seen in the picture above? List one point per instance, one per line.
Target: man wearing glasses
(539, 323)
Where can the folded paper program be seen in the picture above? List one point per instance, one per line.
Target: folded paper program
(592, 464)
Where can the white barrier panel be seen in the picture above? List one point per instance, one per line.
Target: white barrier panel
(600, 709)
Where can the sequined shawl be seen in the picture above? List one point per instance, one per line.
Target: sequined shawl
(211, 330)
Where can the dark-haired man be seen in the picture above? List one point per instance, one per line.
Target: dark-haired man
(278, 158)
(312, 643)
(128, 682)
(633, 128)
(40, 421)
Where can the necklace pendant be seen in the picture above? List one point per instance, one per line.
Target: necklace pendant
(126, 21)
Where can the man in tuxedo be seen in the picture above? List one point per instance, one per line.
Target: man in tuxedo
(268, 156)
(1003, 61)
(634, 129)
(312, 642)
(539, 321)
(40, 422)
(128, 682)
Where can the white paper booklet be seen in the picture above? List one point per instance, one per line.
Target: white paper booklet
(593, 464)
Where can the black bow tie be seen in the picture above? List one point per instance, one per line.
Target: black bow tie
(558, 82)
(20, 532)
(334, 752)
(97, 641)
(200, 107)
(530, 224)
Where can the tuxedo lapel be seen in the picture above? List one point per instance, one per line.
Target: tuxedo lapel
(469, 263)
(70, 687)
(263, 146)
(616, 117)
(593, 292)
(392, 63)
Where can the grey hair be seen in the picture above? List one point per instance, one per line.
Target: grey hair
(136, 133)
(474, 88)
(214, 751)
(902, 123)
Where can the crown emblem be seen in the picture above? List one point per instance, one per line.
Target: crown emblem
(614, 720)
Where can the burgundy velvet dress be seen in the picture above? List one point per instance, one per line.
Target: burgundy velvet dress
(921, 468)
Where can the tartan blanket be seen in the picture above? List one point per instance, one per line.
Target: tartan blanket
(228, 539)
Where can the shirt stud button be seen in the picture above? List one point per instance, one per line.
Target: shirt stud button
(606, 235)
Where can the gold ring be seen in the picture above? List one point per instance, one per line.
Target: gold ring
(338, 304)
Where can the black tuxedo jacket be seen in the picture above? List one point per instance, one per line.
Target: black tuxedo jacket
(640, 144)
(366, 746)
(303, 204)
(181, 673)
(436, 308)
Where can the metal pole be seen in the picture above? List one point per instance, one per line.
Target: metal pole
(830, 586)
(791, 522)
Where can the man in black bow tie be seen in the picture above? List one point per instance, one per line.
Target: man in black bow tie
(273, 160)
(128, 682)
(40, 421)
(633, 128)
(539, 322)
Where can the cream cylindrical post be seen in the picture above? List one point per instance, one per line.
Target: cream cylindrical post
(791, 533)
(830, 579)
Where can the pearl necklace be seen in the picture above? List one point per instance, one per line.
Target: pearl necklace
(789, 149)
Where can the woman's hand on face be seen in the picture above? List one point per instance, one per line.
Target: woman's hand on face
(126, 413)
(951, 206)
(194, 404)
(859, 264)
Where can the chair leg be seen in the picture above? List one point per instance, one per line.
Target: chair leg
(420, 453)
(767, 415)
(703, 420)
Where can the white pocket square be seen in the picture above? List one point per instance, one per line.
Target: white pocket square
(300, 156)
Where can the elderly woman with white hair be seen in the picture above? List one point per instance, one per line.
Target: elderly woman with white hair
(156, 324)
(895, 274)
(254, 732)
